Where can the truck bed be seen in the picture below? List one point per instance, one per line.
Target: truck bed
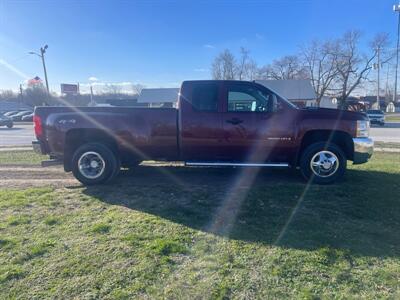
(148, 132)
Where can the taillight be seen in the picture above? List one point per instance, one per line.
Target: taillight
(37, 125)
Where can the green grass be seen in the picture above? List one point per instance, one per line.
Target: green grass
(206, 233)
(21, 157)
(387, 145)
(390, 118)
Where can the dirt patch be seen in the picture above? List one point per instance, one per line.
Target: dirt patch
(22, 176)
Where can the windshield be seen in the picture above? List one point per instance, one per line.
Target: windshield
(374, 112)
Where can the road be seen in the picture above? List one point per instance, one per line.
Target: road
(23, 134)
(390, 133)
(16, 136)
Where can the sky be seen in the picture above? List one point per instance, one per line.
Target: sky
(162, 43)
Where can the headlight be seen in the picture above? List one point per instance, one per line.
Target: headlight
(362, 128)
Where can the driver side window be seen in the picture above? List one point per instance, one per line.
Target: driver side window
(243, 98)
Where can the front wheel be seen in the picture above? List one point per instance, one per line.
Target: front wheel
(9, 125)
(323, 163)
(95, 163)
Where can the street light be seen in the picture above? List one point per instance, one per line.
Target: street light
(396, 8)
(41, 55)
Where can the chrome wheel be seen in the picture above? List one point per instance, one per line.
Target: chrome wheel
(324, 163)
(91, 165)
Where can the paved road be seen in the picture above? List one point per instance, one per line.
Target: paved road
(390, 133)
(23, 134)
(18, 135)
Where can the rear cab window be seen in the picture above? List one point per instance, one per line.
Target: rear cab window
(205, 97)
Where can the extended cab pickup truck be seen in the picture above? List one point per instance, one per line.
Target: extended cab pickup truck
(217, 123)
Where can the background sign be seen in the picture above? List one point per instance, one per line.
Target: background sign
(71, 89)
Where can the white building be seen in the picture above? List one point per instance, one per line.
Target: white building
(300, 92)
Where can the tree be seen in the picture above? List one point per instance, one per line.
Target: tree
(319, 60)
(251, 70)
(351, 65)
(112, 88)
(224, 66)
(7, 95)
(137, 88)
(246, 68)
(35, 95)
(287, 67)
(243, 62)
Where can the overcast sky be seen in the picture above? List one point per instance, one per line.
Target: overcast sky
(161, 43)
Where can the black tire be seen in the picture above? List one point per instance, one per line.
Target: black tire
(333, 174)
(100, 152)
(10, 125)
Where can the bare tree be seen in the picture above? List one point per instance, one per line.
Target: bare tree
(7, 95)
(381, 42)
(224, 66)
(243, 62)
(319, 60)
(137, 88)
(246, 68)
(287, 67)
(112, 88)
(352, 66)
(251, 70)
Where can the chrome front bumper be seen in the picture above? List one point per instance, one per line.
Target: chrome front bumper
(363, 149)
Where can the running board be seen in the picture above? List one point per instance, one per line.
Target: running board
(229, 164)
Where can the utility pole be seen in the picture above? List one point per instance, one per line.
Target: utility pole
(41, 55)
(387, 82)
(396, 8)
(43, 51)
(91, 95)
(20, 91)
(378, 103)
(20, 95)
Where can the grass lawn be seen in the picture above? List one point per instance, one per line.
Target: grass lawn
(21, 157)
(390, 118)
(197, 233)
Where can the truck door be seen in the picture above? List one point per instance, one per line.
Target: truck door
(253, 131)
(200, 121)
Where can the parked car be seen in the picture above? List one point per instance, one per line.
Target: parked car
(18, 116)
(27, 118)
(218, 123)
(10, 113)
(6, 121)
(376, 117)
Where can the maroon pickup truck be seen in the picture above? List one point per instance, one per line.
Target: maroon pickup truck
(217, 123)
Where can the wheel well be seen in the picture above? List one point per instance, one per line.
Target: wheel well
(77, 137)
(340, 138)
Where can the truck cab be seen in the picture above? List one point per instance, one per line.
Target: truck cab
(235, 121)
